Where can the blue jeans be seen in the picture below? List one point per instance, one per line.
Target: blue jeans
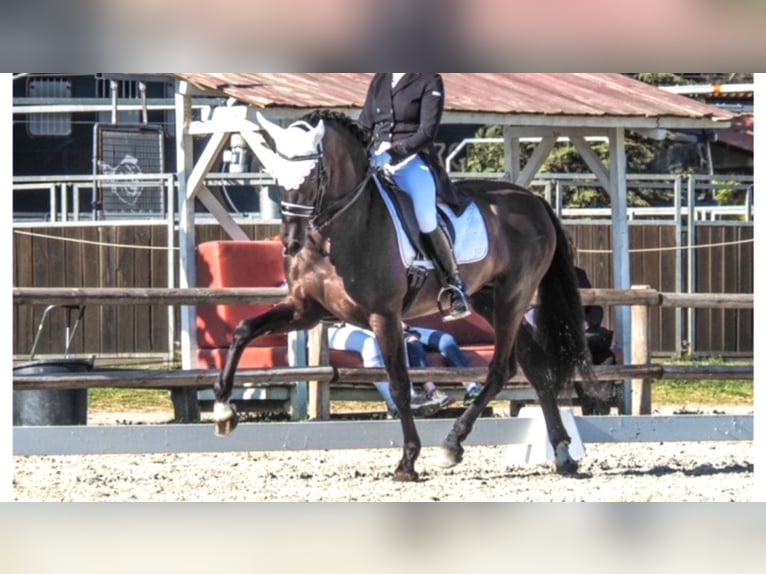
(442, 342)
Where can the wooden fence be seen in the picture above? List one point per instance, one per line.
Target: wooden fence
(637, 400)
(136, 256)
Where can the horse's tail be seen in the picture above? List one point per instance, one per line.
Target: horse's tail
(559, 317)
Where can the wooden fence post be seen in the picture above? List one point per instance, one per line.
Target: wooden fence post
(185, 405)
(641, 389)
(319, 391)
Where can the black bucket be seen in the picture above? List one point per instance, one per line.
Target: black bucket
(51, 407)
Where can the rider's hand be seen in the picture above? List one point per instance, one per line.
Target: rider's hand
(380, 159)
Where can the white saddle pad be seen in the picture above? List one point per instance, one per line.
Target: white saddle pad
(471, 242)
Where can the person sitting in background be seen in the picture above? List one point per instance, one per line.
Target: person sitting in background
(346, 337)
(421, 339)
(599, 338)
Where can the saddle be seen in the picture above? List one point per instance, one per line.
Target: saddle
(403, 209)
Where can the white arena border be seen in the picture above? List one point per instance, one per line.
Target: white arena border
(327, 435)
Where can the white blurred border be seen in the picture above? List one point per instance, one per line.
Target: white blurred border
(6, 243)
(759, 319)
(380, 539)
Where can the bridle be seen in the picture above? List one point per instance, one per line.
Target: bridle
(319, 218)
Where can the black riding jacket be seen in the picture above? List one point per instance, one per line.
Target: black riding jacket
(408, 115)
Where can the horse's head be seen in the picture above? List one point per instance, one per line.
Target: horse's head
(297, 165)
(311, 160)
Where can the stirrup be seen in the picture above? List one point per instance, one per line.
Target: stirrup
(453, 314)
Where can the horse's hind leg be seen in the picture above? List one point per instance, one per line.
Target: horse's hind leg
(280, 318)
(536, 368)
(501, 368)
(452, 448)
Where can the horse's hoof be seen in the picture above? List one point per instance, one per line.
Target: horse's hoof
(448, 458)
(565, 464)
(567, 468)
(225, 428)
(225, 425)
(405, 476)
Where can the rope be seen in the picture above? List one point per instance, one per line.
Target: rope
(590, 251)
(87, 242)
(658, 249)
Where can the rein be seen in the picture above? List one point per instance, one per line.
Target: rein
(328, 219)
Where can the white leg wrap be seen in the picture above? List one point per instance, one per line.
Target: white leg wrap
(222, 412)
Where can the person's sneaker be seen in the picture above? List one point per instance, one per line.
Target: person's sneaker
(471, 394)
(444, 399)
(423, 406)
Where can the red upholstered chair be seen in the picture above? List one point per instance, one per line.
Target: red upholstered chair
(237, 264)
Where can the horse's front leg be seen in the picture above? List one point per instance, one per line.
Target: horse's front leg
(388, 331)
(279, 319)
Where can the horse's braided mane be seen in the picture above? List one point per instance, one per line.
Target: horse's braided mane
(337, 118)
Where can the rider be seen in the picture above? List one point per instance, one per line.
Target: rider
(401, 116)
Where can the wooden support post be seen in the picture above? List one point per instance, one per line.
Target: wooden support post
(641, 389)
(319, 391)
(185, 405)
(297, 356)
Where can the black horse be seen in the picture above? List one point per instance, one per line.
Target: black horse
(342, 260)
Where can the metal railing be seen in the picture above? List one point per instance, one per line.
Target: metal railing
(65, 193)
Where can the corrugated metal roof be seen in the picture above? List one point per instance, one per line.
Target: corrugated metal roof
(741, 133)
(578, 95)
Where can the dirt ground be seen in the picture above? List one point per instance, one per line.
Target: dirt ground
(627, 472)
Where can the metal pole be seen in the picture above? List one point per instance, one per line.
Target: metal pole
(677, 197)
(620, 245)
(144, 113)
(113, 90)
(52, 193)
(64, 201)
(76, 202)
(690, 261)
(171, 262)
(185, 403)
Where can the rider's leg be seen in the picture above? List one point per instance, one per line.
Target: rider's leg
(415, 179)
(441, 248)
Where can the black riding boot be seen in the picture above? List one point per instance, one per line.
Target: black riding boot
(444, 257)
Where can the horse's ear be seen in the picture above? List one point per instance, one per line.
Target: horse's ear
(271, 128)
(318, 133)
(266, 156)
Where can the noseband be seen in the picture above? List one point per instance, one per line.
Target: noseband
(317, 218)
